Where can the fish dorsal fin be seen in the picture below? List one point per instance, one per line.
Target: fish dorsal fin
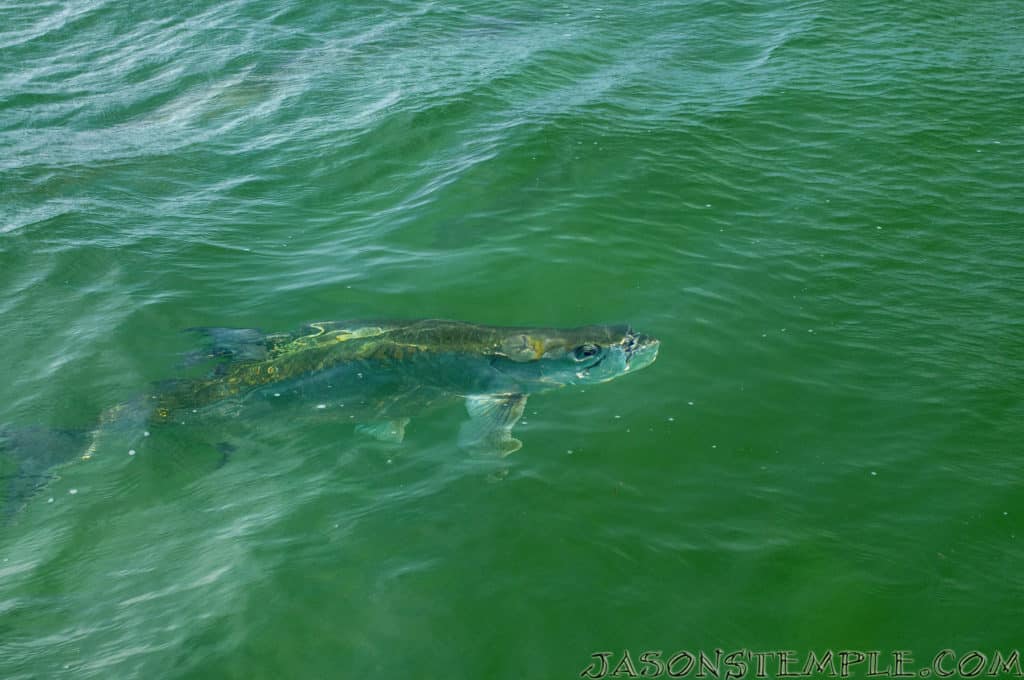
(491, 419)
(251, 344)
(340, 332)
(320, 335)
(237, 344)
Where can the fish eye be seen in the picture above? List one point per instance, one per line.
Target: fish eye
(584, 351)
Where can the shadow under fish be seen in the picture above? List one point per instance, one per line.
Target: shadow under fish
(377, 375)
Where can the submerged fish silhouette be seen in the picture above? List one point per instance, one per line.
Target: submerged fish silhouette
(377, 374)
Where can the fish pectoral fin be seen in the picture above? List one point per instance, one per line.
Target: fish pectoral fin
(491, 419)
(385, 430)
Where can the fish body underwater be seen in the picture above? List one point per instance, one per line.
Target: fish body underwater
(374, 374)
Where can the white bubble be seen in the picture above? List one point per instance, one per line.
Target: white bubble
(617, 417)
(671, 419)
(50, 500)
(146, 433)
(569, 451)
(72, 491)
(321, 405)
(874, 474)
(131, 452)
(689, 403)
(277, 394)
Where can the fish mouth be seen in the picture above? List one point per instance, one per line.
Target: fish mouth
(641, 350)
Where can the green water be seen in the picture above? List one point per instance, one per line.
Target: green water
(818, 208)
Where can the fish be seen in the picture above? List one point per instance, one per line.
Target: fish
(377, 375)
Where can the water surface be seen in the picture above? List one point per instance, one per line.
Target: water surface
(817, 208)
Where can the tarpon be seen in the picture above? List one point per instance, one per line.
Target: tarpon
(375, 374)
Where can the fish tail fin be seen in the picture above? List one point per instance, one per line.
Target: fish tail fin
(28, 457)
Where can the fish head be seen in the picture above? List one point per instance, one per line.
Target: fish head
(577, 356)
